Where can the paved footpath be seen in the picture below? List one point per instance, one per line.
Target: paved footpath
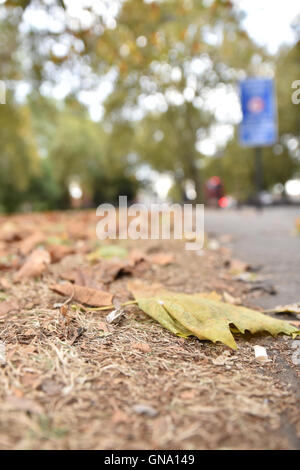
(264, 238)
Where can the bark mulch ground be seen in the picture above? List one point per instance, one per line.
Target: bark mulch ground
(70, 380)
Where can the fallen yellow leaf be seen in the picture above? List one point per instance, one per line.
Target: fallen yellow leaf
(203, 316)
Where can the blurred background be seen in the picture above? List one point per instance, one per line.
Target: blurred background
(140, 98)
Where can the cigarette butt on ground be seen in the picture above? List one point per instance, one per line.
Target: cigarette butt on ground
(260, 353)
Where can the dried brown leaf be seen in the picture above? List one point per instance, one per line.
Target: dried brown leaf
(58, 252)
(24, 404)
(143, 347)
(162, 259)
(85, 295)
(34, 266)
(29, 243)
(8, 306)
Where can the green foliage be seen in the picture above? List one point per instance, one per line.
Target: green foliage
(287, 73)
(44, 192)
(154, 58)
(45, 147)
(236, 168)
(18, 155)
(45, 144)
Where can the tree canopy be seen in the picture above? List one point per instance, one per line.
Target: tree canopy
(159, 73)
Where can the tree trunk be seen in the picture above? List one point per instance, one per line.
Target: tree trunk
(195, 176)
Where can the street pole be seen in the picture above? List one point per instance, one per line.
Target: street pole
(258, 175)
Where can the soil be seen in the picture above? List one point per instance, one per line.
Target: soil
(73, 381)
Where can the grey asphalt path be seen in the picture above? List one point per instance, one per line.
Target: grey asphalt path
(264, 238)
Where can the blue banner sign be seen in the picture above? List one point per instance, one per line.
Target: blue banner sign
(259, 125)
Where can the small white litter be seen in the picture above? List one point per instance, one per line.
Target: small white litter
(260, 353)
(115, 316)
(213, 245)
(2, 354)
(146, 410)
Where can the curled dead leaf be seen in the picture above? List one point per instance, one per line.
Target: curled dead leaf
(143, 347)
(85, 295)
(10, 232)
(162, 259)
(23, 404)
(58, 252)
(119, 417)
(5, 284)
(228, 298)
(293, 309)
(29, 243)
(237, 266)
(34, 266)
(137, 255)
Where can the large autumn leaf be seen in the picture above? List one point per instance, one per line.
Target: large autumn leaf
(203, 316)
